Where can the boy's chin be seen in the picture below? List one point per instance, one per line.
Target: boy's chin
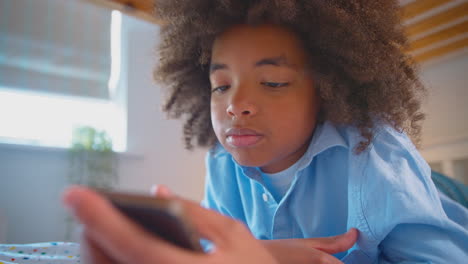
(247, 161)
(248, 157)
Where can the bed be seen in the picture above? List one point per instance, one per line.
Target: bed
(47, 253)
(69, 253)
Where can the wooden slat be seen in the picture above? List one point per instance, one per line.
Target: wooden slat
(142, 9)
(441, 51)
(437, 20)
(418, 7)
(146, 6)
(442, 35)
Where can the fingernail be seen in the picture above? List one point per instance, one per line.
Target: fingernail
(71, 198)
(160, 190)
(154, 189)
(351, 229)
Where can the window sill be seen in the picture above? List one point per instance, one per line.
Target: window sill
(57, 150)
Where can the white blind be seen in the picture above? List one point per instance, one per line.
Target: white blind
(55, 46)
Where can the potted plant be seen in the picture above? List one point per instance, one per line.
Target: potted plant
(92, 163)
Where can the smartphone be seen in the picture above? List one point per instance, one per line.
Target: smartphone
(162, 217)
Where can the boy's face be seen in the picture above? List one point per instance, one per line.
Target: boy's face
(263, 104)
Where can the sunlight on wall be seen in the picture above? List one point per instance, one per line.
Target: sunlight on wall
(48, 120)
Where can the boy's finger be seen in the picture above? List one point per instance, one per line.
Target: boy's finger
(209, 224)
(91, 253)
(161, 190)
(334, 244)
(286, 251)
(114, 233)
(212, 225)
(330, 245)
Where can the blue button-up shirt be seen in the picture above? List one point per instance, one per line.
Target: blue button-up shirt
(386, 192)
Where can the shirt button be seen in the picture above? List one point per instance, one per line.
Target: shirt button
(265, 197)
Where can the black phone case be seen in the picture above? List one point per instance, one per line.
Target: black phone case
(161, 217)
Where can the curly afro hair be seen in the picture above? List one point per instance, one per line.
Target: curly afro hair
(356, 49)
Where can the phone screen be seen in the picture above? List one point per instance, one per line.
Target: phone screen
(161, 217)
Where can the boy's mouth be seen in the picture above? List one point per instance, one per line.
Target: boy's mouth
(242, 137)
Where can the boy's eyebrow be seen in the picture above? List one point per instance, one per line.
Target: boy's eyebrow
(217, 66)
(275, 61)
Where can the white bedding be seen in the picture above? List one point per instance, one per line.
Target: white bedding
(47, 253)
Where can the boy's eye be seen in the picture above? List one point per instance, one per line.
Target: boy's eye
(220, 88)
(275, 84)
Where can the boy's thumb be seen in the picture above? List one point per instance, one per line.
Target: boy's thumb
(334, 244)
(160, 190)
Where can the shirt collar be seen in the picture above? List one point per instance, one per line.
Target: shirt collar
(325, 136)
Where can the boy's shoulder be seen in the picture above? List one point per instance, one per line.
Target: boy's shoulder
(387, 142)
(390, 167)
(393, 154)
(384, 134)
(387, 135)
(393, 175)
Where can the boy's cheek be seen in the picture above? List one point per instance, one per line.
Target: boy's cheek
(217, 118)
(218, 133)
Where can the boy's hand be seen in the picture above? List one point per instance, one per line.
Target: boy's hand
(311, 250)
(288, 251)
(109, 237)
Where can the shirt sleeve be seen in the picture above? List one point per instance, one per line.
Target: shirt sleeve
(403, 209)
(419, 243)
(221, 186)
(211, 199)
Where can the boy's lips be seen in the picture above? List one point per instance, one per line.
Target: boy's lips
(242, 137)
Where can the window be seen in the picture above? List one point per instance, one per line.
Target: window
(60, 68)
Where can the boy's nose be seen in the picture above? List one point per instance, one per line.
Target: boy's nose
(238, 111)
(241, 108)
(241, 102)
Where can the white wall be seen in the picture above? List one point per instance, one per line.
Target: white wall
(446, 106)
(150, 134)
(445, 130)
(31, 179)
